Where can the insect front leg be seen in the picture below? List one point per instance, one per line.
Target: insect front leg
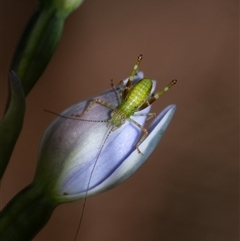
(92, 103)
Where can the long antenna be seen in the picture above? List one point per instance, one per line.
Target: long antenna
(74, 117)
(85, 197)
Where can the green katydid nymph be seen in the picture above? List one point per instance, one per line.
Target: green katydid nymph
(132, 98)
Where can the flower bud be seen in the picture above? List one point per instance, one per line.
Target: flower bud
(76, 156)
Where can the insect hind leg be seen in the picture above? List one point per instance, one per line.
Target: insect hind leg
(130, 79)
(119, 94)
(157, 95)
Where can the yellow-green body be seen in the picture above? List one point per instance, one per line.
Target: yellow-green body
(134, 99)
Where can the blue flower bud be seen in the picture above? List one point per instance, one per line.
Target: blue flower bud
(76, 156)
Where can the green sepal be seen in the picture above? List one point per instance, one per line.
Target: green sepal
(11, 125)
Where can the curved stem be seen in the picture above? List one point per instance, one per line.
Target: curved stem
(26, 214)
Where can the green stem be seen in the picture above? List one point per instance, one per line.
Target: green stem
(26, 214)
(37, 45)
(11, 125)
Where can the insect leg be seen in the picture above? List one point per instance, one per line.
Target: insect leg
(92, 103)
(120, 85)
(145, 134)
(157, 95)
(130, 79)
(149, 115)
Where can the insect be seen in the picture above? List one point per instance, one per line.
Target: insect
(131, 99)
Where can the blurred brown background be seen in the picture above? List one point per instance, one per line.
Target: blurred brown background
(188, 189)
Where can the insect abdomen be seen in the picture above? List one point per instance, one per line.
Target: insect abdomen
(136, 97)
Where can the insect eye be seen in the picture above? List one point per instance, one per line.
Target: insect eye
(112, 113)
